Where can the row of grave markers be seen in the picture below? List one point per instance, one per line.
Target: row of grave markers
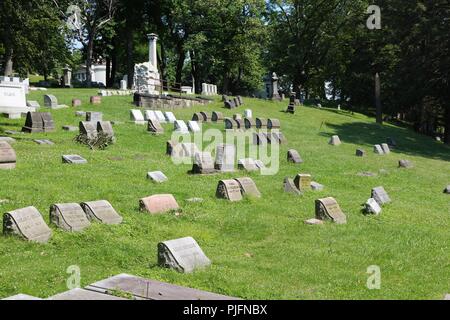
(232, 103)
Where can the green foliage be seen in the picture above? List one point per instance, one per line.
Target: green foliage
(101, 141)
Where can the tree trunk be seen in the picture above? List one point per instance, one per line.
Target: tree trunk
(9, 62)
(378, 99)
(113, 64)
(447, 125)
(108, 73)
(180, 65)
(130, 54)
(90, 53)
(194, 71)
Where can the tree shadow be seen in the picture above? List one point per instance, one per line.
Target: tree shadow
(407, 141)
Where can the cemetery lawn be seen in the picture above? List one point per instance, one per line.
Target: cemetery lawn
(260, 249)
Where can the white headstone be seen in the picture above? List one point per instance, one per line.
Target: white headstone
(193, 126)
(150, 115)
(137, 117)
(372, 206)
(180, 126)
(170, 117)
(123, 85)
(248, 113)
(160, 116)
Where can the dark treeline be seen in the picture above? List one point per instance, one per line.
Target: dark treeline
(234, 43)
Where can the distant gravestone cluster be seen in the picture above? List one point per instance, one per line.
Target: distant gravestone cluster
(233, 102)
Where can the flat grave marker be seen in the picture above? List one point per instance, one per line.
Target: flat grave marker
(73, 159)
(315, 186)
(157, 176)
(159, 203)
(95, 100)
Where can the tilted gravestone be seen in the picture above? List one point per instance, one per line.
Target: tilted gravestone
(216, 116)
(335, 140)
(316, 186)
(193, 126)
(225, 157)
(294, 157)
(329, 209)
(28, 224)
(229, 123)
(159, 203)
(96, 100)
(106, 128)
(50, 101)
(360, 153)
(229, 189)
(249, 123)
(89, 129)
(239, 123)
(170, 117)
(261, 123)
(206, 117)
(247, 164)
(69, 217)
(372, 207)
(183, 255)
(240, 100)
(405, 164)
(289, 186)
(385, 148)
(73, 159)
(137, 117)
(248, 187)
(197, 117)
(380, 195)
(303, 182)
(203, 163)
(157, 176)
(101, 211)
(273, 124)
(94, 116)
(8, 156)
(181, 127)
(378, 149)
(155, 127)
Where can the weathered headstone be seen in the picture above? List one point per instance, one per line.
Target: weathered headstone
(247, 164)
(183, 255)
(380, 195)
(50, 101)
(137, 117)
(101, 211)
(385, 148)
(360, 153)
(273, 124)
(170, 148)
(378, 149)
(206, 117)
(294, 157)
(372, 207)
(447, 189)
(225, 157)
(216, 116)
(203, 163)
(229, 189)
(248, 187)
(289, 186)
(88, 128)
(229, 123)
(69, 217)
(73, 159)
(150, 115)
(96, 100)
(316, 186)
(405, 164)
(170, 117)
(259, 138)
(239, 123)
(157, 176)
(329, 209)
(76, 103)
(180, 126)
(249, 123)
(7, 156)
(197, 117)
(335, 140)
(48, 123)
(193, 126)
(106, 128)
(33, 104)
(303, 182)
(155, 127)
(94, 116)
(261, 123)
(33, 123)
(248, 113)
(160, 116)
(159, 203)
(28, 224)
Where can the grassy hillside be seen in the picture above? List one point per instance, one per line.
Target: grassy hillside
(260, 249)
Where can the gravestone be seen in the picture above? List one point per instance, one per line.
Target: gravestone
(303, 182)
(290, 109)
(247, 164)
(216, 116)
(94, 116)
(137, 117)
(239, 124)
(205, 116)
(106, 128)
(89, 129)
(7, 156)
(170, 145)
(273, 124)
(225, 157)
(335, 140)
(380, 195)
(150, 115)
(203, 163)
(385, 148)
(224, 98)
(248, 187)
(183, 255)
(329, 209)
(229, 104)
(249, 123)
(189, 150)
(372, 207)
(96, 100)
(101, 211)
(405, 164)
(447, 189)
(237, 116)
(229, 189)
(160, 116)
(180, 127)
(229, 123)
(28, 224)
(33, 123)
(73, 159)
(157, 176)
(155, 127)
(69, 217)
(289, 186)
(315, 186)
(294, 157)
(248, 113)
(48, 123)
(261, 123)
(33, 105)
(259, 138)
(197, 117)
(377, 149)
(313, 222)
(41, 142)
(193, 126)
(240, 100)
(260, 164)
(278, 137)
(170, 117)
(236, 102)
(360, 153)
(76, 103)
(123, 85)
(159, 203)
(50, 101)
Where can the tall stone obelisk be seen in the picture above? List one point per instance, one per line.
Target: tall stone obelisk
(152, 55)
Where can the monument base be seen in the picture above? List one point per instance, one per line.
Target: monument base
(155, 101)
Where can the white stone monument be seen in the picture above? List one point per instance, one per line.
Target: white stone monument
(13, 97)
(146, 75)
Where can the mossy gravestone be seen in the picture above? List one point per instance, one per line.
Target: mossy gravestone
(329, 209)
(248, 187)
(28, 224)
(203, 163)
(294, 157)
(159, 203)
(155, 127)
(183, 255)
(303, 182)
(69, 217)
(229, 189)
(101, 211)
(289, 186)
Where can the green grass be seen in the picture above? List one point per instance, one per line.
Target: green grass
(260, 249)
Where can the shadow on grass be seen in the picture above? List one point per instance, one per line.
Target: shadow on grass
(407, 141)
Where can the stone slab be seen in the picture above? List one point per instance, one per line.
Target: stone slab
(229, 189)
(69, 217)
(248, 187)
(247, 164)
(294, 157)
(159, 203)
(28, 224)
(329, 209)
(380, 195)
(73, 159)
(157, 176)
(84, 295)
(371, 206)
(101, 211)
